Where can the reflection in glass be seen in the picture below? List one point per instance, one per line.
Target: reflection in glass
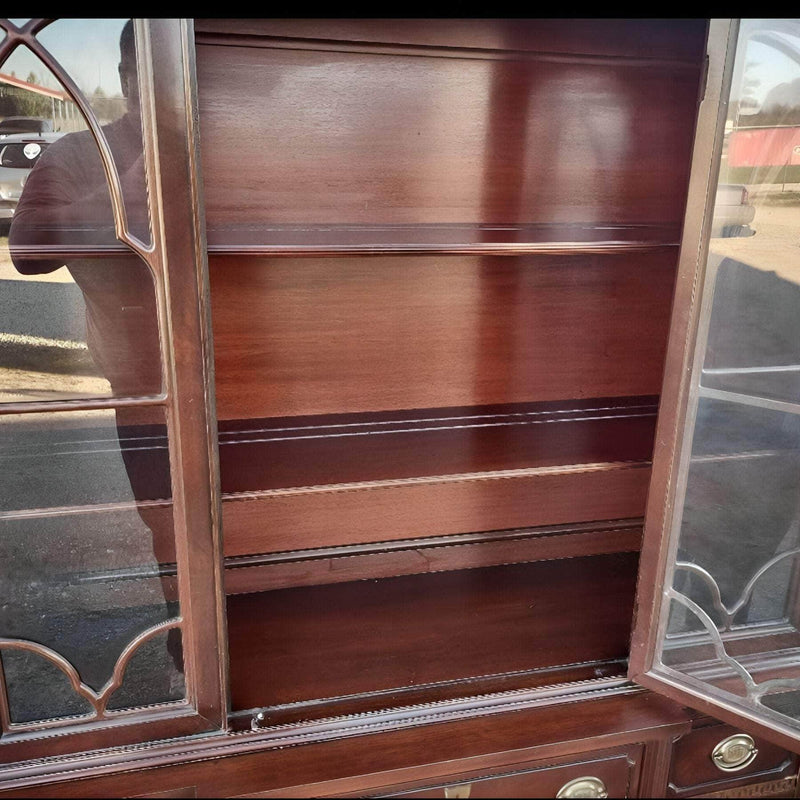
(100, 56)
(83, 458)
(157, 658)
(77, 320)
(734, 617)
(87, 329)
(37, 689)
(33, 100)
(90, 619)
(88, 582)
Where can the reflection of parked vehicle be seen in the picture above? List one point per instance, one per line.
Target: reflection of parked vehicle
(733, 212)
(18, 154)
(13, 125)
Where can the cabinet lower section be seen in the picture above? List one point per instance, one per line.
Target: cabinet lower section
(620, 740)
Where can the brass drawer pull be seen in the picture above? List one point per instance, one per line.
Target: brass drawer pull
(734, 753)
(583, 787)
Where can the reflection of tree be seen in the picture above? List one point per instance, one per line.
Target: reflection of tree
(15, 102)
(780, 107)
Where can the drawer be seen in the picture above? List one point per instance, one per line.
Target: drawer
(609, 776)
(694, 769)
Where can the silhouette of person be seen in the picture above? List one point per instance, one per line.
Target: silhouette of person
(66, 205)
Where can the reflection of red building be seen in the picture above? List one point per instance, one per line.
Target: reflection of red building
(12, 80)
(768, 154)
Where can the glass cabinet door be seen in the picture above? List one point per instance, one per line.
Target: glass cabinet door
(719, 591)
(110, 622)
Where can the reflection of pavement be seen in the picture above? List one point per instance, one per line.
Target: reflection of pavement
(776, 244)
(43, 351)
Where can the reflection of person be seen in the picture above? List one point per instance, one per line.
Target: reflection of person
(66, 206)
(66, 201)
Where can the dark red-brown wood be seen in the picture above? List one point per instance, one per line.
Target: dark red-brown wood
(326, 335)
(413, 216)
(262, 454)
(673, 40)
(374, 760)
(436, 554)
(356, 136)
(386, 511)
(694, 771)
(367, 636)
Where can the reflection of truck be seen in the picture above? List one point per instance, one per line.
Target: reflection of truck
(733, 211)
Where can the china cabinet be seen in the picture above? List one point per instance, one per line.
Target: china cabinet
(401, 407)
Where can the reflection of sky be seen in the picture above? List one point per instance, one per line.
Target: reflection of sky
(88, 49)
(766, 67)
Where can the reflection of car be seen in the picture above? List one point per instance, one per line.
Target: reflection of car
(18, 154)
(733, 211)
(14, 125)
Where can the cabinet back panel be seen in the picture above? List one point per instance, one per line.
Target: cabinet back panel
(299, 336)
(311, 643)
(353, 136)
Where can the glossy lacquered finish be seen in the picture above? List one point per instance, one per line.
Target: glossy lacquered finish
(694, 769)
(368, 637)
(367, 760)
(439, 136)
(442, 256)
(307, 336)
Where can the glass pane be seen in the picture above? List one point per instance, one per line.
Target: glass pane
(78, 310)
(86, 329)
(83, 458)
(86, 582)
(733, 624)
(33, 100)
(99, 55)
(37, 689)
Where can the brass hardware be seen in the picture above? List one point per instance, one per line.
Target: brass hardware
(583, 787)
(462, 790)
(734, 753)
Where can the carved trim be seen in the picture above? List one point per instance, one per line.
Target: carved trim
(98, 700)
(728, 614)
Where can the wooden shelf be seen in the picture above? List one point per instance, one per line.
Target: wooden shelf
(339, 240)
(401, 635)
(545, 684)
(259, 455)
(336, 480)
(681, 44)
(434, 554)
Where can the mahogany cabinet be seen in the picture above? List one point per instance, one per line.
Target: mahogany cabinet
(387, 402)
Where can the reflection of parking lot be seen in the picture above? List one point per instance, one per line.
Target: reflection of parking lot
(43, 351)
(776, 244)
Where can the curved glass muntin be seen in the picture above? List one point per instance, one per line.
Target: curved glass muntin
(181, 398)
(725, 635)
